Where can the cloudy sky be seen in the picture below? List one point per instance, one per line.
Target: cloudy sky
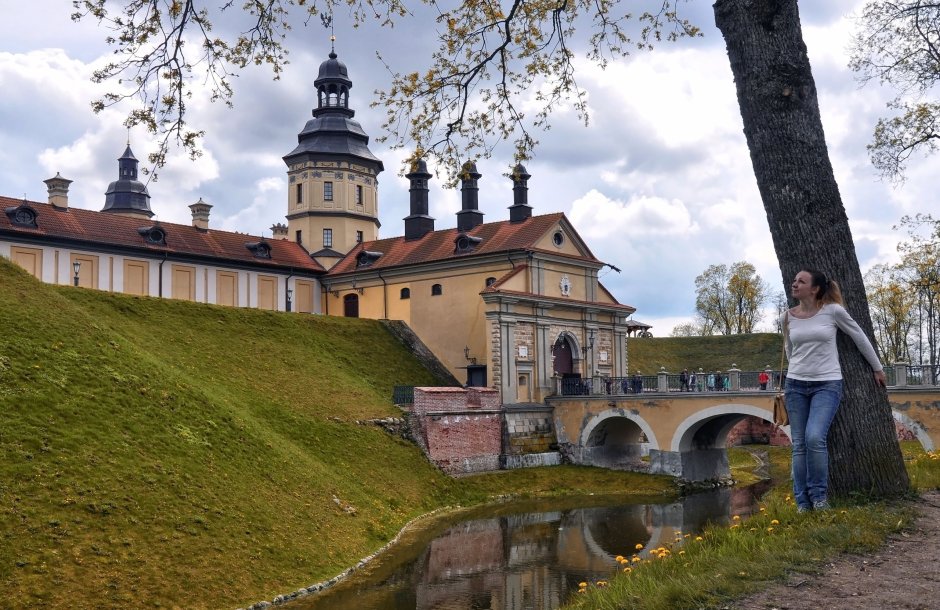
(660, 184)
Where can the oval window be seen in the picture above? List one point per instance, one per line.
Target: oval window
(558, 238)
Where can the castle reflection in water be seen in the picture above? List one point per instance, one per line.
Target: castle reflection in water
(526, 561)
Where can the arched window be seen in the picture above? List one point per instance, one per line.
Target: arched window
(436, 290)
(406, 293)
(490, 281)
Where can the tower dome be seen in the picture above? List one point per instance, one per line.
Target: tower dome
(332, 175)
(127, 195)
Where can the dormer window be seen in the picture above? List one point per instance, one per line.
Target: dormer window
(464, 243)
(22, 215)
(260, 249)
(366, 258)
(153, 235)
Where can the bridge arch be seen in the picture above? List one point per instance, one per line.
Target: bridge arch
(916, 427)
(708, 428)
(613, 438)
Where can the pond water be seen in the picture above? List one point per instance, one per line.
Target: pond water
(523, 556)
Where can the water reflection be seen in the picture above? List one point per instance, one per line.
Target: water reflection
(527, 559)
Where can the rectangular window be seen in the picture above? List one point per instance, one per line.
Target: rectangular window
(358, 194)
(327, 238)
(136, 277)
(300, 194)
(358, 237)
(327, 191)
(226, 288)
(183, 280)
(299, 235)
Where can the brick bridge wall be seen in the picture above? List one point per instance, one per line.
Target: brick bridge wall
(458, 429)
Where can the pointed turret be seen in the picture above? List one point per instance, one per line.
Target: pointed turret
(127, 195)
(332, 174)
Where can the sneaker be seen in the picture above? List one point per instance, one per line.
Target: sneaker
(803, 508)
(821, 505)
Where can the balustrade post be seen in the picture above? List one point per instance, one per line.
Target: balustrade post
(734, 377)
(662, 380)
(900, 374)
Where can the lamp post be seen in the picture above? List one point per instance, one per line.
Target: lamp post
(76, 267)
(290, 295)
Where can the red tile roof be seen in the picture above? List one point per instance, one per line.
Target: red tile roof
(116, 230)
(502, 236)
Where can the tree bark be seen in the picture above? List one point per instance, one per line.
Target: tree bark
(808, 223)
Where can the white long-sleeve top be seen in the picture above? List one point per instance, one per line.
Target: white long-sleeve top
(811, 344)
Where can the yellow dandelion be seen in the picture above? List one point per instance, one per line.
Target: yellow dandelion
(602, 583)
(770, 529)
(627, 570)
(736, 518)
(763, 510)
(623, 561)
(682, 552)
(638, 546)
(843, 512)
(582, 584)
(687, 535)
(636, 559)
(753, 529)
(774, 522)
(618, 558)
(699, 539)
(742, 573)
(735, 526)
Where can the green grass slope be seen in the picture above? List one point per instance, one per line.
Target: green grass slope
(749, 352)
(139, 433)
(158, 453)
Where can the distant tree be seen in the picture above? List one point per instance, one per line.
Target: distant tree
(728, 299)
(899, 43)
(920, 268)
(780, 306)
(688, 329)
(892, 306)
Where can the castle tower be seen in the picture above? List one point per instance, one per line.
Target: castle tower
(127, 195)
(332, 174)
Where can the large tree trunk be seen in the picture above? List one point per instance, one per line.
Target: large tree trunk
(784, 132)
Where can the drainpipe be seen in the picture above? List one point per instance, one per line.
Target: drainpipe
(160, 277)
(326, 297)
(384, 295)
(287, 287)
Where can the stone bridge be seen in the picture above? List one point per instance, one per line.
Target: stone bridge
(685, 434)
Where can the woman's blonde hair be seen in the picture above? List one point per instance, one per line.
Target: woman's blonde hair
(829, 291)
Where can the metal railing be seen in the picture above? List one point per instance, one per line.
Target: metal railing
(733, 380)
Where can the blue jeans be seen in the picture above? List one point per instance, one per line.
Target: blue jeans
(811, 406)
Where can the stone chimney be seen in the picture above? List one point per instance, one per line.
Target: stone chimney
(279, 230)
(469, 215)
(418, 223)
(58, 191)
(520, 208)
(200, 211)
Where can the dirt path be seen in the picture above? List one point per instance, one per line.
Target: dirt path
(902, 575)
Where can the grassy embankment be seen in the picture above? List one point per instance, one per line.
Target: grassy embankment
(749, 352)
(730, 561)
(169, 454)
